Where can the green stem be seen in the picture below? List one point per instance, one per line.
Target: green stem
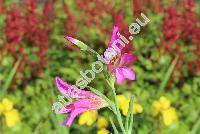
(119, 116)
(131, 117)
(114, 127)
(128, 125)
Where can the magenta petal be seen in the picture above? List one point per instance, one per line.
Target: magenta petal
(73, 115)
(122, 73)
(72, 92)
(128, 73)
(127, 59)
(78, 107)
(83, 103)
(119, 75)
(86, 94)
(114, 36)
(63, 87)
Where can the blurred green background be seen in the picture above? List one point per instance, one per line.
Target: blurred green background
(32, 53)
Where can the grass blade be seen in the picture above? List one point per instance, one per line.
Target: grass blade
(167, 76)
(9, 79)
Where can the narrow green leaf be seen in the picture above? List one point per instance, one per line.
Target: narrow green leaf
(131, 123)
(9, 79)
(129, 114)
(167, 76)
(113, 126)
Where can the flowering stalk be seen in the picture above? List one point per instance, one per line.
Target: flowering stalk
(119, 116)
(118, 64)
(118, 113)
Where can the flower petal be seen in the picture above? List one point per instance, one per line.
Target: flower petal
(128, 73)
(127, 59)
(92, 103)
(84, 103)
(119, 75)
(63, 87)
(71, 91)
(114, 37)
(122, 73)
(73, 115)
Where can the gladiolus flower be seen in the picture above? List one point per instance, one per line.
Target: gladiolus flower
(117, 57)
(119, 60)
(85, 101)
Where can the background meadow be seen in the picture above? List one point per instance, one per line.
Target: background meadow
(33, 53)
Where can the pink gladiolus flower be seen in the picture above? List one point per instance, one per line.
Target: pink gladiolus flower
(120, 62)
(85, 101)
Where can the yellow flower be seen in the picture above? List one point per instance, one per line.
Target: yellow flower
(125, 109)
(137, 108)
(102, 122)
(157, 107)
(165, 103)
(103, 131)
(12, 117)
(124, 105)
(169, 116)
(6, 106)
(121, 100)
(163, 106)
(88, 118)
